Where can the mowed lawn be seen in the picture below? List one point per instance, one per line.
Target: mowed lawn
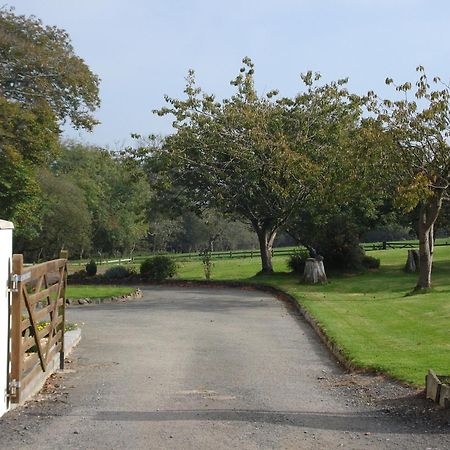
(369, 316)
(97, 291)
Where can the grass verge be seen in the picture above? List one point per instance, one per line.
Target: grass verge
(97, 291)
(369, 316)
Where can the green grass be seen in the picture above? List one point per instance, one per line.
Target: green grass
(368, 316)
(95, 291)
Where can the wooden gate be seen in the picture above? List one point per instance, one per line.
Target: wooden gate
(37, 321)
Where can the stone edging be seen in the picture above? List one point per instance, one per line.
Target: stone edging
(96, 301)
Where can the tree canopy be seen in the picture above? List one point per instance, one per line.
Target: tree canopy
(419, 129)
(255, 157)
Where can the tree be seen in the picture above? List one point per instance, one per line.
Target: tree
(253, 157)
(42, 84)
(420, 156)
(28, 138)
(116, 195)
(38, 65)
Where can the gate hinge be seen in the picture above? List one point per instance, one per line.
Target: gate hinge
(14, 279)
(12, 388)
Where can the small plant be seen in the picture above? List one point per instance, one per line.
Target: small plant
(158, 268)
(296, 261)
(118, 272)
(91, 268)
(207, 263)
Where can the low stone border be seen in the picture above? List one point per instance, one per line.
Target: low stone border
(96, 301)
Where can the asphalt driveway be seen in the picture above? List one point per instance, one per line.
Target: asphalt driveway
(209, 369)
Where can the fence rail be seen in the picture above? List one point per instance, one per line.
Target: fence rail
(229, 254)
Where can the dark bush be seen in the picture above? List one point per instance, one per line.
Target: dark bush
(158, 268)
(296, 261)
(78, 275)
(91, 268)
(118, 272)
(339, 256)
(369, 262)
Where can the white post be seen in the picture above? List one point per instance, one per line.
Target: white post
(6, 234)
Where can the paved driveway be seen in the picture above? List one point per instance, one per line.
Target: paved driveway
(205, 369)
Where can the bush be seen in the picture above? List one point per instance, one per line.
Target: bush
(369, 262)
(118, 272)
(91, 268)
(158, 268)
(296, 261)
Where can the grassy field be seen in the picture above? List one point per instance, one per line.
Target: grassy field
(368, 315)
(96, 291)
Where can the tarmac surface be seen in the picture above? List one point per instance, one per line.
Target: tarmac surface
(194, 368)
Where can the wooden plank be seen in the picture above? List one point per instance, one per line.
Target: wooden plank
(16, 331)
(63, 276)
(39, 270)
(31, 361)
(33, 321)
(38, 296)
(44, 312)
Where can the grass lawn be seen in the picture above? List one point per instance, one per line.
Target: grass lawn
(368, 315)
(96, 291)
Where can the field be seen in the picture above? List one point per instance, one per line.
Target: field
(369, 316)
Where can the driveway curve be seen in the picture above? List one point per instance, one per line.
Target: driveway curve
(208, 369)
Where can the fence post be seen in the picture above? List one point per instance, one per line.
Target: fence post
(6, 234)
(64, 254)
(17, 305)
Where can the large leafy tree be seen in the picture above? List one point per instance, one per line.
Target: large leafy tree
(38, 64)
(419, 127)
(251, 156)
(42, 84)
(116, 195)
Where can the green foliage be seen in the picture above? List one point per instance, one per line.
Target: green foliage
(207, 262)
(91, 268)
(419, 128)
(296, 262)
(42, 83)
(38, 66)
(158, 268)
(369, 262)
(256, 158)
(118, 272)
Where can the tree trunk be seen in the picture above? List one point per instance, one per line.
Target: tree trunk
(412, 262)
(266, 237)
(427, 217)
(314, 271)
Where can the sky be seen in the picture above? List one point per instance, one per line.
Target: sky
(142, 49)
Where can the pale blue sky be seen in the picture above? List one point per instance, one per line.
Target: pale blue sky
(142, 49)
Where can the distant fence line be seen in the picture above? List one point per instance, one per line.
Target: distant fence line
(396, 245)
(229, 254)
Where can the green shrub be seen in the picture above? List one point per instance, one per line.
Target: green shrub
(158, 268)
(91, 268)
(296, 261)
(118, 272)
(369, 262)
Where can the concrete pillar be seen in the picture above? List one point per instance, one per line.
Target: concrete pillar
(6, 235)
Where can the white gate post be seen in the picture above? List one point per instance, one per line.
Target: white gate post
(6, 235)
